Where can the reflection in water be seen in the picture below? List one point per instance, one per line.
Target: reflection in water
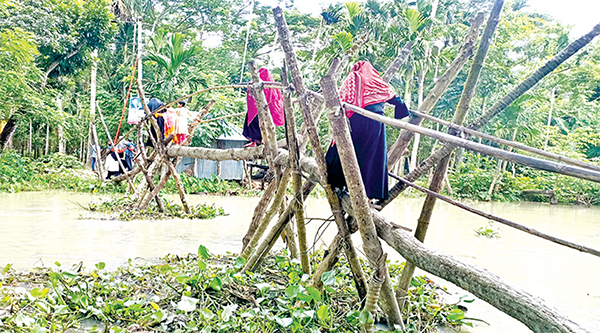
(43, 228)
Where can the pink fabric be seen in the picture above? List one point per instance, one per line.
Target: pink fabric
(364, 87)
(274, 100)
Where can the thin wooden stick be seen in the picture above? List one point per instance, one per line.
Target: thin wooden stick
(204, 121)
(264, 223)
(294, 149)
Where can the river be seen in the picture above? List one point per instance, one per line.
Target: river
(41, 228)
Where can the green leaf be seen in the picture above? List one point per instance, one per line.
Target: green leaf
(158, 315)
(206, 315)
(68, 275)
(301, 313)
(100, 266)
(352, 317)
(183, 279)
(216, 283)
(201, 265)
(455, 314)
(187, 304)
(305, 298)
(239, 263)
(314, 293)
(292, 291)
(61, 309)
(328, 278)
(203, 252)
(323, 313)
(365, 317)
(263, 287)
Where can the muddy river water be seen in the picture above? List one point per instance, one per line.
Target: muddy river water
(40, 228)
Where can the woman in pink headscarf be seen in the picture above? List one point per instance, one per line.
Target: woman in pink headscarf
(364, 88)
(275, 103)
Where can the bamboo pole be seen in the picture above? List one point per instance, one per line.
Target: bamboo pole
(264, 223)
(437, 180)
(499, 106)
(204, 121)
(268, 241)
(360, 202)
(294, 149)
(311, 129)
(143, 159)
(259, 212)
(465, 52)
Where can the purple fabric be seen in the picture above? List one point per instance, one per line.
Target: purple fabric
(368, 137)
(252, 130)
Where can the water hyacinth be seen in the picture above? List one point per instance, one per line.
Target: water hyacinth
(202, 292)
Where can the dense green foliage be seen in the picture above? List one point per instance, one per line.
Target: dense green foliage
(476, 173)
(51, 172)
(202, 293)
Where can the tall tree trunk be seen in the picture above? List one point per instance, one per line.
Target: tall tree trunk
(504, 164)
(30, 142)
(140, 47)
(47, 149)
(61, 131)
(417, 137)
(93, 135)
(552, 96)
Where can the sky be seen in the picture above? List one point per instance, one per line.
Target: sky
(581, 14)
